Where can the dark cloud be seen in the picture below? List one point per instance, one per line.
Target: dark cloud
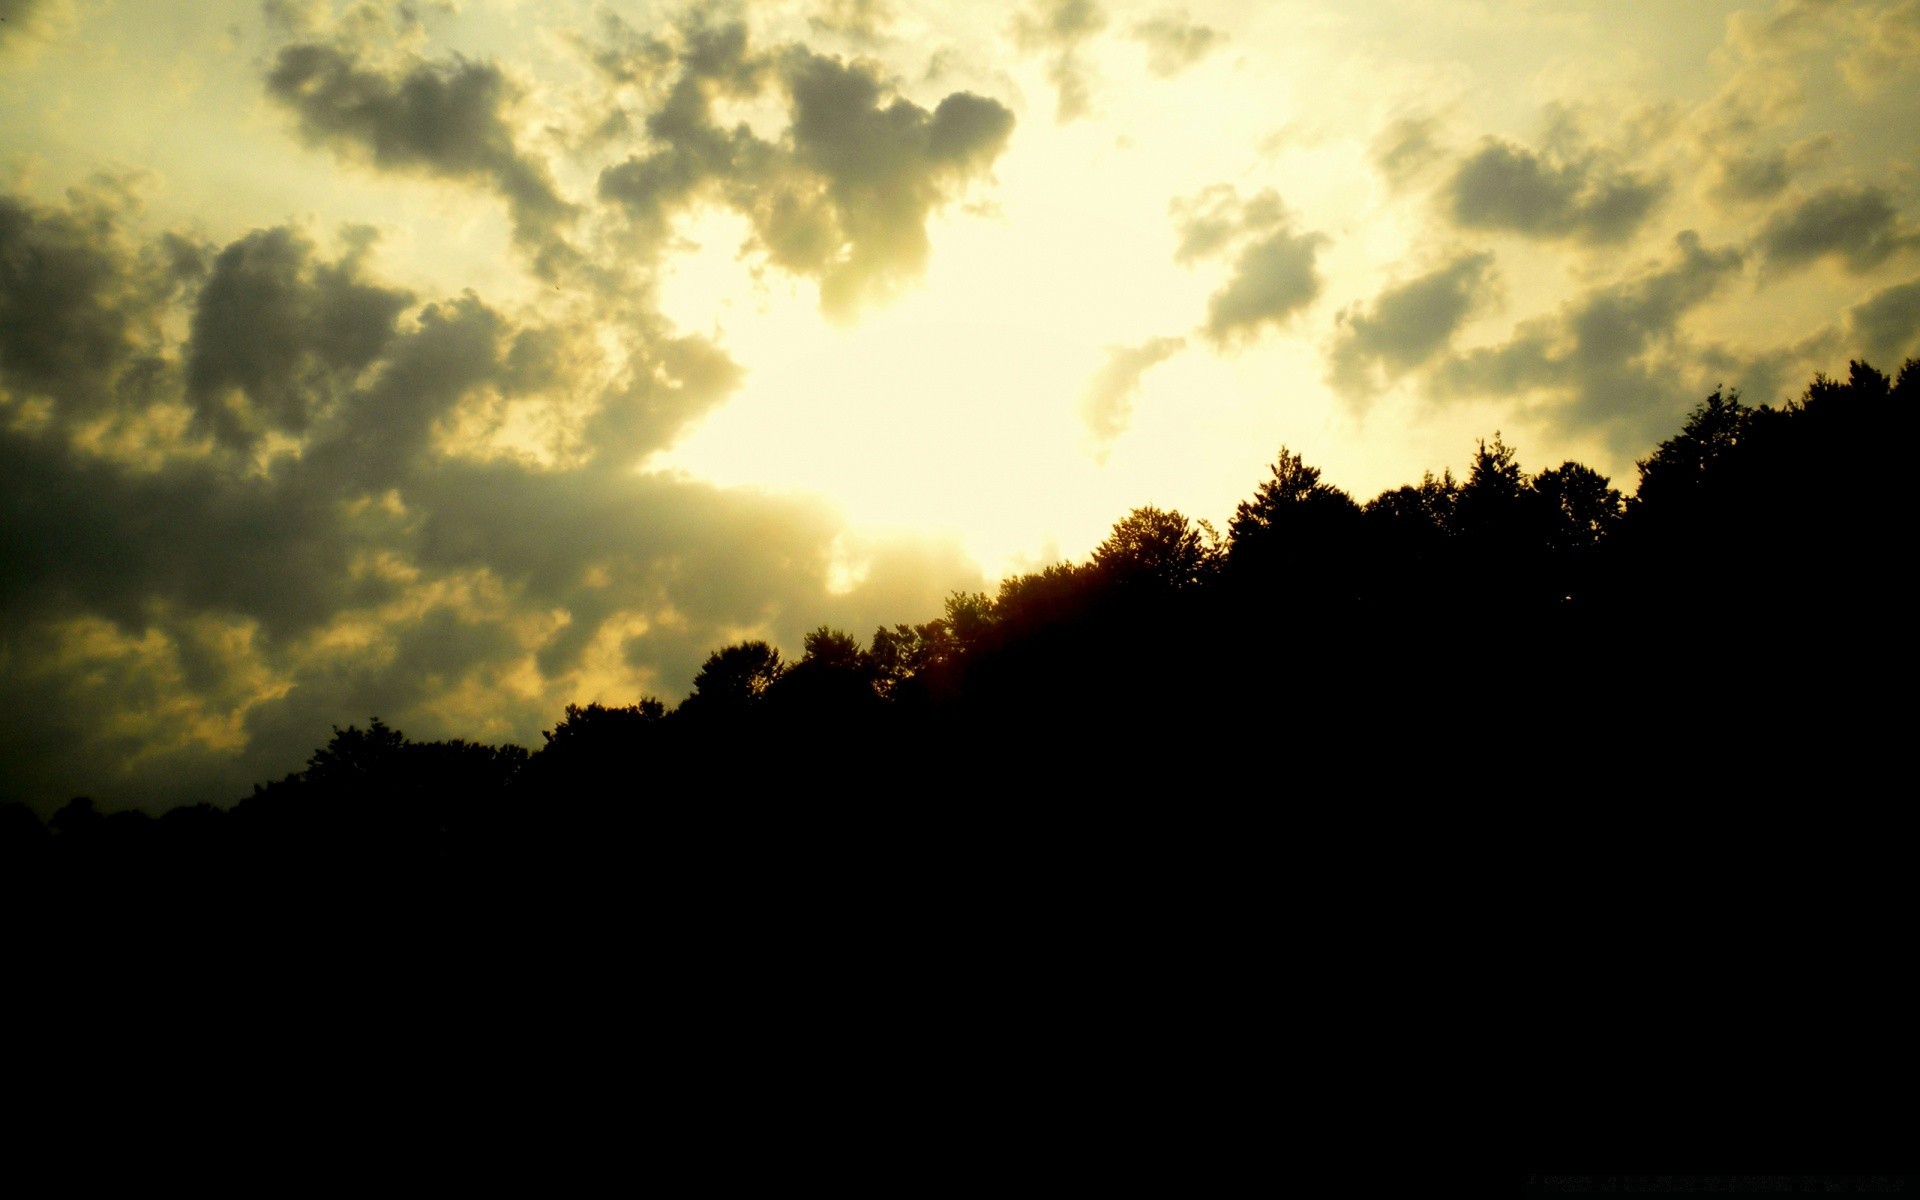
(1614, 359)
(379, 436)
(70, 304)
(218, 533)
(676, 380)
(843, 197)
(1763, 173)
(103, 538)
(20, 18)
(276, 333)
(1407, 325)
(691, 152)
(692, 155)
(883, 166)
(1059, 28)
(449, 118)
(1858, 226)
(82, 346)
(1274, 273)
(1886, 325)
(1509, 188)
(1756, 175)
(1273, 279)
(1174, 42)
(15, 14)
(182, 618)
(299, 17)
(1106, 405)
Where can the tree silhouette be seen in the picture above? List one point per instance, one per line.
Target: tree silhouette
(834, 680)
(1158, 550)
(969, 618)
(734, 680)
(1409, 535)
(1297, 538)
(76, 819)
(1495, 484)
(906, 658)
(596, 724)
(23, 839)
(355, 757)
(1048, 597)
(1584, 507)
(1683, 466)
(1292, 492)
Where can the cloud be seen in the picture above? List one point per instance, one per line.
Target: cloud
(1887, 45)
(26, 21)
(1613, 360)
(228, 532)
(863, 22)
(844, 195)
(276, 333)
(451, 118)
(1407, 325)
(1886, 325)
(1215, 219)
(14, 16)
(1406, 148)
(1509, 188)
(1058, 23)
(301, 18)
(327, 513)
(691, 155)
(1060, 28)
(1272, 280)
(1174, 42)
(1274, 274)
(883, 166)
(1858, 226)
(1106, 404)
(74, 300)
(1763, 173)
(1792, 24)
(623, 54)
(673, 380)
(253, 490)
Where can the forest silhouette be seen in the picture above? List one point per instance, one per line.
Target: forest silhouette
(1463, 641)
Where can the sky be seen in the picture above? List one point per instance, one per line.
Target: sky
(452, 362)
